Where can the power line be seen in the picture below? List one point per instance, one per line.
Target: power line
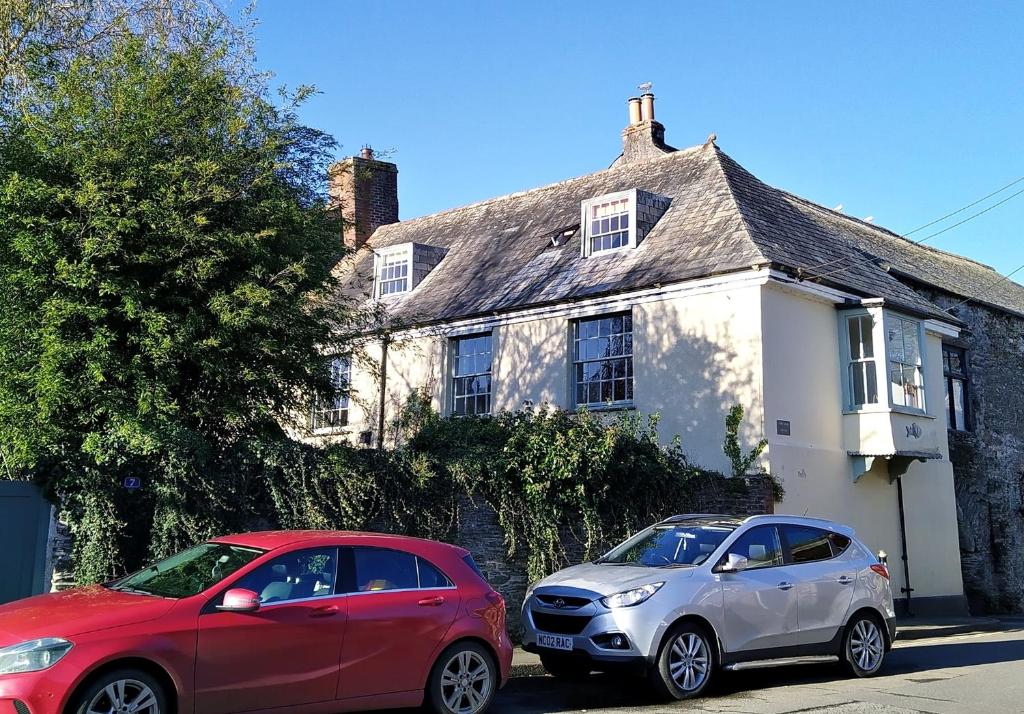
(987, 288)
(931, 223)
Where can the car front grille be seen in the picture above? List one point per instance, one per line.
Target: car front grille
(560, 624)
(562, 602)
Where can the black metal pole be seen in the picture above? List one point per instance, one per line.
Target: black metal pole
(903, 538)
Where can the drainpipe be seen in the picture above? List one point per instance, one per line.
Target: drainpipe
(383, 390)
(903, 538)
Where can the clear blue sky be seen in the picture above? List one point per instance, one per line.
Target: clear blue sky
(901, 111)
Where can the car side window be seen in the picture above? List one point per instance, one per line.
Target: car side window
(760, 546)
(298, 575)
(384, 569)
(381, 569)
(431, 577)
(839, 543)
(806, 544)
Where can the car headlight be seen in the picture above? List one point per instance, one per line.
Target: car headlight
(33, 656)
(629, 598)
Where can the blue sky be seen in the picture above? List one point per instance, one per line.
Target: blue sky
(901, 111)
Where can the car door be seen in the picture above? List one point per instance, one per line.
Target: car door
(826, 576)
(286, 653)
(760, 601)
(400, 608)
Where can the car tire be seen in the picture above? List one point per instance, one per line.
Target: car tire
(864, 645)
(122, 688)
(463, 680)
(565, 667)
(685, 663)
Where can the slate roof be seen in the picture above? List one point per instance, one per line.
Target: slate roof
(721, 219)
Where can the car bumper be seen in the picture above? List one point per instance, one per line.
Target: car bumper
(31, 693)
(638, 627)
(890, 624)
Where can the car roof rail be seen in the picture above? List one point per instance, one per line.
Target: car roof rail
(680, 517)
(805, 520)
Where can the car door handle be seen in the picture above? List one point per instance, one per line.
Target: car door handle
(431, 601)
(326, 611)
(785, 586)
(845, 580)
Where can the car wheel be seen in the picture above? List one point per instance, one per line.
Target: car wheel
(124, 690)
(565, 667)
(685, 663)
(864, 646)
(463, 680)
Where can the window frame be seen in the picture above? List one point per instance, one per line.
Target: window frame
(347, 555)
(342, 397)
(850, 360)
(964, 378)
(392, 258)
(586, 209)
(737, 536)
(890, 318)
(217, 599)
(454, 356)
(788, 550)
(627, 356)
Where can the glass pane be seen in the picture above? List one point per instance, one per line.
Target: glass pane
(872, 384)
(911, 343)
(807, 544)
(959, 413)
(382, 569)
(857, 382)
(619, 389)
(853, 326)
(303, 574)
(760, 546)
(431, 577)
(899, 395)
(895, 341)
(606, 391)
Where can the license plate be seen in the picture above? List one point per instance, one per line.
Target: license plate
(555, 642)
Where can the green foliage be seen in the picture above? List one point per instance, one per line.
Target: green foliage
(741, 462)
(164, 270)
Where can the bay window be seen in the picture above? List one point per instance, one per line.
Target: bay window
(903, 344)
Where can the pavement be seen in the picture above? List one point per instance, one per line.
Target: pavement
(936, 666)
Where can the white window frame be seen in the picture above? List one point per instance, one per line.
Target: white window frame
(882, 320)
(586, 211)
(341, 378)
(855, 356)
(397, 259)
(454, 377)
(902, 321)
(627, 355)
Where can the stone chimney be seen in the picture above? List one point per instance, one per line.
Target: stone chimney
(366, 190)
(644, 138)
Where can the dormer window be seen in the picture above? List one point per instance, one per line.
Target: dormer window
(609, 225)
(400, 268)
(393, 273)
(618, 221)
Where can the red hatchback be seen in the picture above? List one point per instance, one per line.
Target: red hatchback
(277, 622)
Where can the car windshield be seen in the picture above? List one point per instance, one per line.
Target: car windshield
(668, 545)
(189, 572)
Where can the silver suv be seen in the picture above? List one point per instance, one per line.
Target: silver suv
(695, 593)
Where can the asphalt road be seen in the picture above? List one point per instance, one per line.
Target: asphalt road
(981, 672)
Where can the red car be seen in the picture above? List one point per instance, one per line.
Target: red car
(281, 622)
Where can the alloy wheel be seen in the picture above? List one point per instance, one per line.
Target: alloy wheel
(688, 661)
(466, 682)
(125, 696)
(866, 645)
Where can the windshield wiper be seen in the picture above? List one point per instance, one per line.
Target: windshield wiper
(127, 589)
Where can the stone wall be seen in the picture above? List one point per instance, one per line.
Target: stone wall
(988, 460)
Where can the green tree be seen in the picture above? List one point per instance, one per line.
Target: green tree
(165, 268)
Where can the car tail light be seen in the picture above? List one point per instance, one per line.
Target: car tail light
(881, 570)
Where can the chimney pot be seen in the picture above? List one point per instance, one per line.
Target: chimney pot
(366, 152)
(647, 107)
(634, 111)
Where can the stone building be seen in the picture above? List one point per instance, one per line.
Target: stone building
(676, 282)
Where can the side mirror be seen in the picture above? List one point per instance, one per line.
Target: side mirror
(734, 563)
(240, 600)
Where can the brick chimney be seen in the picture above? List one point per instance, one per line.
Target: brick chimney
(366, 190)
(644, 138)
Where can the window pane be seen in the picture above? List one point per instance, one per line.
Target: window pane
(899, 395)
(839, 543)
(872, 385)
(895, 338)
(853, 328)
(807, 544)
(760, 546)
(959, 413)
(857, 382)
(911, 343)
(306, 573)
(431, 577)
(381, 569)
